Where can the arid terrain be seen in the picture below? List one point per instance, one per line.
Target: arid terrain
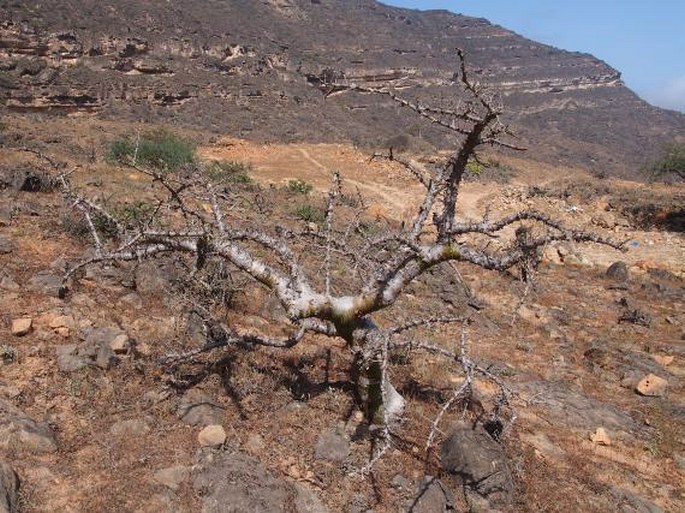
(91, 420)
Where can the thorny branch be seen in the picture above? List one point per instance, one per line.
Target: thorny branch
(197, 219)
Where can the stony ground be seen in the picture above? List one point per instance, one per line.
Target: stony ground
(90, 421)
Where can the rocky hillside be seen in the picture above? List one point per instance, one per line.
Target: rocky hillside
(250, 68)
(94, 418)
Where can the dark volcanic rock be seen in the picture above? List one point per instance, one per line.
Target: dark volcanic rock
(236, 483)
(563, 405)
(478, 463)
(252, 68)
(432, 497)
(9, 489)
(198, 409)
(618, 271)
(6, 246)
(18, 431)
(46, 283)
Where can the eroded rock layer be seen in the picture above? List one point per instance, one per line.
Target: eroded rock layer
(251, 68)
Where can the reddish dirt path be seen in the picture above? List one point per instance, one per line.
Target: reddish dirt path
(392, 193)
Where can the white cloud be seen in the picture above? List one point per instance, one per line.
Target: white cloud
(670, 96)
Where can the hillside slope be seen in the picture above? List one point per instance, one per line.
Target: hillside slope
(247, 67)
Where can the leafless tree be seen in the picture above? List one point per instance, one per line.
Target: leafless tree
(194, 217)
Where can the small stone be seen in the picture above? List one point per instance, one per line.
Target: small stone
(551, 255)
(22, 326)
(172, 477)
(212, 436)
(652, 386)
(664, 360)
(120, 344)
(401, 483)
(58, 321)
(600, 437)
(528, 315)
(62, 332)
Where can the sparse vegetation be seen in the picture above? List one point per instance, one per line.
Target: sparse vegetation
(488, 171)
(8, 354)
(297, 186)
(211, 228)
(228, 172)
(309, 213)
(160, 150)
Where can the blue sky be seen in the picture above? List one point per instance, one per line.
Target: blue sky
(643, 39)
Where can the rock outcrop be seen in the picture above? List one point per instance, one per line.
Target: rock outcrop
(248, 67)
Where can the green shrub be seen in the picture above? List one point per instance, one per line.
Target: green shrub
(128, 215)
(159, 150)
(133, 213)
(310, 214)
(298, 186)
(488, 171)
(228, 172)
(672, 161)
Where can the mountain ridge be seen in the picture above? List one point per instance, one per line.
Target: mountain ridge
(247, 68)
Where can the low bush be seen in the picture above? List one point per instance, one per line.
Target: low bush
(298, 186)
(488, 171)
(160, 150)
(310, 214)
(228, 172)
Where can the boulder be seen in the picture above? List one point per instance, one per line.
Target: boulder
(18, 431)
(9, 489)
(307, 501)
(236, 483)
(198, 409)
(565, 405)
(652, 386)
(46, 283)
(618, 271)
(5, 212)
(432, 497)
(477, 463)
(98, 348)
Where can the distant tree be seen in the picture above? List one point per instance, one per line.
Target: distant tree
(672, 161)
(204, 222)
